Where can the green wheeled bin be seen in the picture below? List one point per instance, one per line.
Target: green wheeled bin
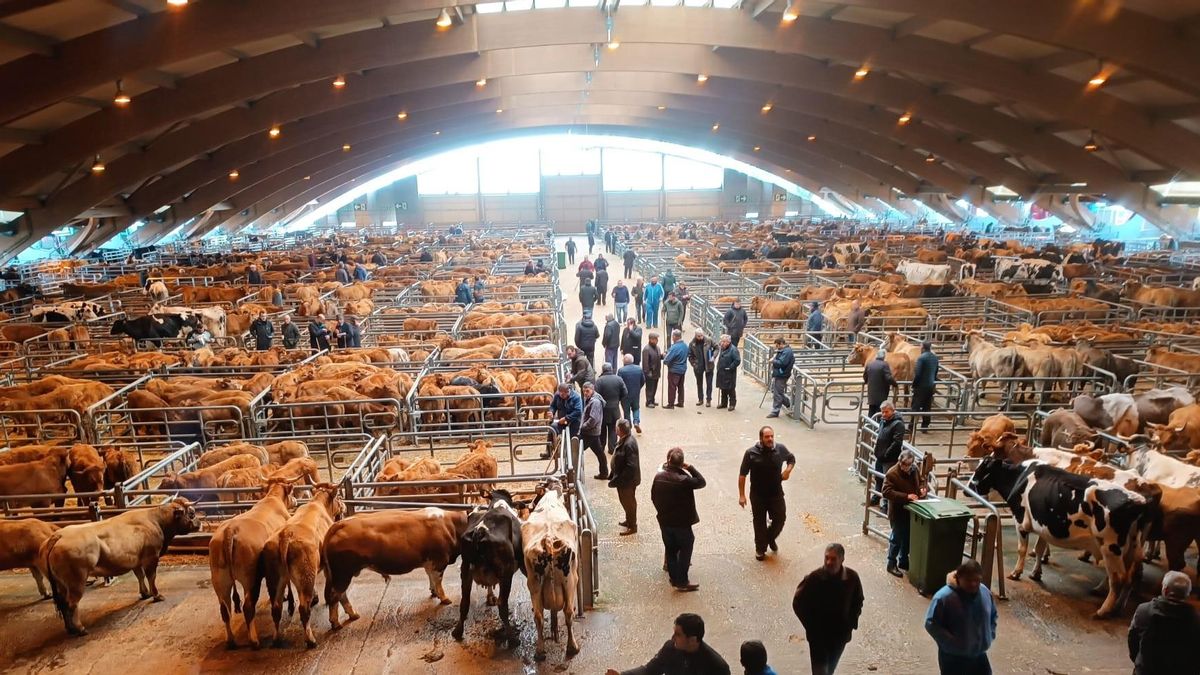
(937, 532)
(562, 260)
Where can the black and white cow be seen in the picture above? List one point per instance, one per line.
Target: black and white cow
(156, 326)
(1072, 511)
(67, 312)
(492, 551)
(737, 254)
(850, 248)
(1033, 270)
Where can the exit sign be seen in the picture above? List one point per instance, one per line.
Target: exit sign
(781, 197)
(740, 199)
(401, 206)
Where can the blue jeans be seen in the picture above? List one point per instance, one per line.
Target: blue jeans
(641, 311)
(898, 543)
(951, 664)
(620, 308)
(652, 316)
(632, 410)
(610, 357)
(679, 542)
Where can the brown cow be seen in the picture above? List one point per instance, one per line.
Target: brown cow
(900, 362)
(1065, 429)
(20, 541)
(130, 541)
(389, 542)
(45, 476)
(206, 478)
(218, 455)
(1182, 430)
(234, 553)
(293, 557)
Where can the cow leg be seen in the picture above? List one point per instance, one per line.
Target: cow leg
(224, 586)
(435, 583)
(277, 587)
(152, 580)
(253, 587)
(67, 587)
(465, 602)
(141, 577)
(1041, 551)
(1022, 553)
(539, 649)
(1115, 567)
(41, 581)
(491, 596)
(569, 617)
(554, 625)
(505, 623)
(307, 601)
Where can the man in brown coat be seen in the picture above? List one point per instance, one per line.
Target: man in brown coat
(828, 602)
(902, 485)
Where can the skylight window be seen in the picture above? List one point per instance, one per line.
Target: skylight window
(489, 7)
(518, 5)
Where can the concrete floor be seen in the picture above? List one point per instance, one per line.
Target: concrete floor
(1043, 628)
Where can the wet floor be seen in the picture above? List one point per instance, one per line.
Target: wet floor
(1044, 628)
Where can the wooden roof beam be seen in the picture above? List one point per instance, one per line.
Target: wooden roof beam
(27, 40)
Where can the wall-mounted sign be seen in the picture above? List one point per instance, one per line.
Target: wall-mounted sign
(401, 206)
(360, 207)
(781, 197)
(740, 199)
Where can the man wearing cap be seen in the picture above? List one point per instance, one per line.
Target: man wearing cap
(702, 355)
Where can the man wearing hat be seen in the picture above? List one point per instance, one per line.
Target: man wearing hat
(879, 379)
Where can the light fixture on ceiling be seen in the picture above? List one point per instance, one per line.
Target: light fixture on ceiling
(308, 178)
(767, 107)
(481, 82)
(1091, 145)
(757, 148)
(345, 147)
(402, 115)
(274, 131)
(811, 138)
(861, 73)
(662, 107)
(437, 133)
(339, 82)
(233, 175)
(930, 159)
(98, 165)
(1099, 78)
(702, 78)
(790, 13)
(121, 98)
(499, 110)
(716, 126)
(613, 44)
(177, 3)
(905, 118)
(443, 20)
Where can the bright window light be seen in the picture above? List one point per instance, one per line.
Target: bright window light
(518, 5)
(634, 2)
(790, 214)
(695, 3)
(454, 175)
(1001, 191)
(688, 174)
(725, 4)
(568, 160)
(489, 7)
(509, 170)
(583, 3)
(626, 170)
(752, 214)
(664, 3)
(550, 4)
(1178, 189)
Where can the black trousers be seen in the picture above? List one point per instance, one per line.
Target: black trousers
(571, 256)
(675, 388)
(873, 408)
(824, 653)
(704, 380)
(651, 389)
(608, 432)
(762, 509)
(628, 498)
(735, 338)
(679, 542)
(594, 444)
(728, 398)
(922, 401)
(628, 271)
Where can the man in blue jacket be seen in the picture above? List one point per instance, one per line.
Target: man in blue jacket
(462, 294)
(676, 363)
(962, 620)
(566, 411)
(652, 297)
(781, 374)
(634, 379)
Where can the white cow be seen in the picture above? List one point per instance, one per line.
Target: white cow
(213, 318)
(1160, 468)
(158, 292)
(552, 565)
(923, 273)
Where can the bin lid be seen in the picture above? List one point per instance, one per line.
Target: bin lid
(938, 508)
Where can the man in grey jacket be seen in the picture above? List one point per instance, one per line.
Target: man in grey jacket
(879, 379)
(735, 321)
(592, 425)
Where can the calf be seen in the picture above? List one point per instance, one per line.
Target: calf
(492, 552)
(389, 542)
(292, 557)
(1071, 511)
(234, 552)
(20, 541)
(1064, 428)
(131, 541)
(197, 481)
(552, 566)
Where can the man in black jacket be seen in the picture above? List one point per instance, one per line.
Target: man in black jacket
(291, 334)
(631, 340)
(828, 603)
(586, 334)
(702, 355)
(1164, 631)
(253, 276)
(318, 333)
(686, 653)
(581, 368)
(612, 389)
(263, 331)
(767, 464)
(674, 496)
(570, 246)
(781, 374)
(888, 444)
(601, 283)
(625, 475)
(879, 380)
(587, 295)
(735, 321)
(652, 360)
(629, 258)
(611, 340)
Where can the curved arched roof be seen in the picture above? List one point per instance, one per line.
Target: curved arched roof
(992, 93)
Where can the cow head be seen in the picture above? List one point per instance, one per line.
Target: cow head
(994, 473)
(118, 327)
(1167, 437)
(281, 489)
(184, 518)
(1135, 443)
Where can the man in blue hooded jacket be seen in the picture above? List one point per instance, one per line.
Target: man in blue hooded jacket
(652, 297)
(962, 620)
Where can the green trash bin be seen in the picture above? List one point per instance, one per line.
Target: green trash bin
(562, 260)
(937, 532)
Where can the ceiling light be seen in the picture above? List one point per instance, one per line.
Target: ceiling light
(716, 125)
(274, 131)
(702, 78)
(402, 115)
(905, 118)
(931, 159)
(812, 138)
(437, 133)
(308, 178)
(499, 110)
(121, 98)
(339, 82)
(345, 147)
(481, 82)
(767, 108)
(177, 3)
(662, 107)
(98, 166)
(861, 73)
(1091, 145)
(757, 148)
(1098, 80)
(233, 175)
(613, 44)
(443, 20)
(790, 13)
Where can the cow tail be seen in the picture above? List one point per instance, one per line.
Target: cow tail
(237, 599)
(285, 568)
(60, 599)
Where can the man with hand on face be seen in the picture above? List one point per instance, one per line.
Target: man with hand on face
(686, 653)
(767, 464)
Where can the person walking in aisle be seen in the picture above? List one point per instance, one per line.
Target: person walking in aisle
(735, 321)
(602, 284)
(639, 305)
(652, 360)
(581, 368)
(782, 363)
(631, 340)
(591, 427)
(611, 340)
(633, 376)
(702, 355)
(673, 313)
(676, 362)
(591, 241)
(1164, 632)
(668, 281)
(587, 296)
(625, 475)
(629, 258)
(728, 360)
(673, 494)
(924, 383)
(962, 621)
(814, 326)
(570, 251)
(620, 296)
(768, 464)
(653, 294)
(828, 603)
(586, 334)
(612, 389)
(878, 377)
